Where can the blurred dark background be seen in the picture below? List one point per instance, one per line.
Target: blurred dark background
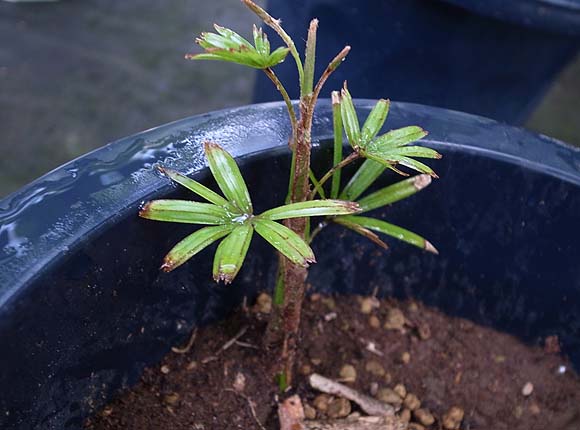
(76, 74)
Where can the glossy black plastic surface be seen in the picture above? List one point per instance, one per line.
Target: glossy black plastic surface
(83, 306)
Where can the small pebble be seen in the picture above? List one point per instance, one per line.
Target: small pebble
(518, 411)
(348, 373)
(367, 304)
(375, 368)
(165, 369)
(316, 361)
(374, 321)
(171, 399)
(412, 402)
(453, 417)
(315, 297)
(305, 369)
(424, 416)
(415, 426)
(192, 365)
(527, 389)
(321, 402)
(405, 415)
(107, 411)
(424, 331)
(405, 357)
(239, 384)
(339, 408)
(389, 396)
(263, 304)
(535, 409)
(329, 303)
(309, 412)
(330, 316)
(374, 389)
(401, 390)
(395, 319)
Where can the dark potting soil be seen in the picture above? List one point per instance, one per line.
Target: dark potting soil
(498, 381)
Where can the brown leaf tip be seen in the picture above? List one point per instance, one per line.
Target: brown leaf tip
(145, 209)
(430, 248)
(335, 97)
(421, 181)
(167, 266)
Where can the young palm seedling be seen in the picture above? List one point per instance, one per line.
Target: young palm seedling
(230, 218)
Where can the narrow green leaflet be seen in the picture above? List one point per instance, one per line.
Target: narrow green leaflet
(199, 189)
(337, 144)
(399, 137)
(374, 121)
(192, 244)
(360, 230)
(394, 193)
(185, 211)
(285, 241)
(231, 253)
(364, 177)
(311, 208)
(394, 159)
(349, 118)
(391, 230)
(228, 177)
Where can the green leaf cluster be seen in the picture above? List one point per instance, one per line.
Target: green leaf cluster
(390, 149)
(230, 217)
(227, 45)
(383, 152)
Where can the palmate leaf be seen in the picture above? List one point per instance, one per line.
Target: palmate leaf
(231, 252)
(390, 230)
(193, 244)
(229, 46)
(311, 208)
(228, 177)
(285, 241)
(390, 149)
(185, 211)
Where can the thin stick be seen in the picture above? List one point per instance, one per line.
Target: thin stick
(352, 157)
(275, 25)
(188, 345)
(368, 404)
(250, 404)
(226, 346)
(332, 66)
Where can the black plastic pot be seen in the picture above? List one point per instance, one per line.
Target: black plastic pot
(83, 306)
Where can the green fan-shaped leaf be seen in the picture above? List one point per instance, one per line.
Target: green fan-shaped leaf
(311, 208)
(193, 244)
(394, 193)
(391, 230)
(228, 177)
(185, 211)
(285, 241)
(231, 253)
(228, 45)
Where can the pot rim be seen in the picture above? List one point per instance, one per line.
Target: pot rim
(43, 221)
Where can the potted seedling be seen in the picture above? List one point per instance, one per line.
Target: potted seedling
(390, 339)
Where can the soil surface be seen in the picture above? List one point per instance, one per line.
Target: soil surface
(381, 348)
